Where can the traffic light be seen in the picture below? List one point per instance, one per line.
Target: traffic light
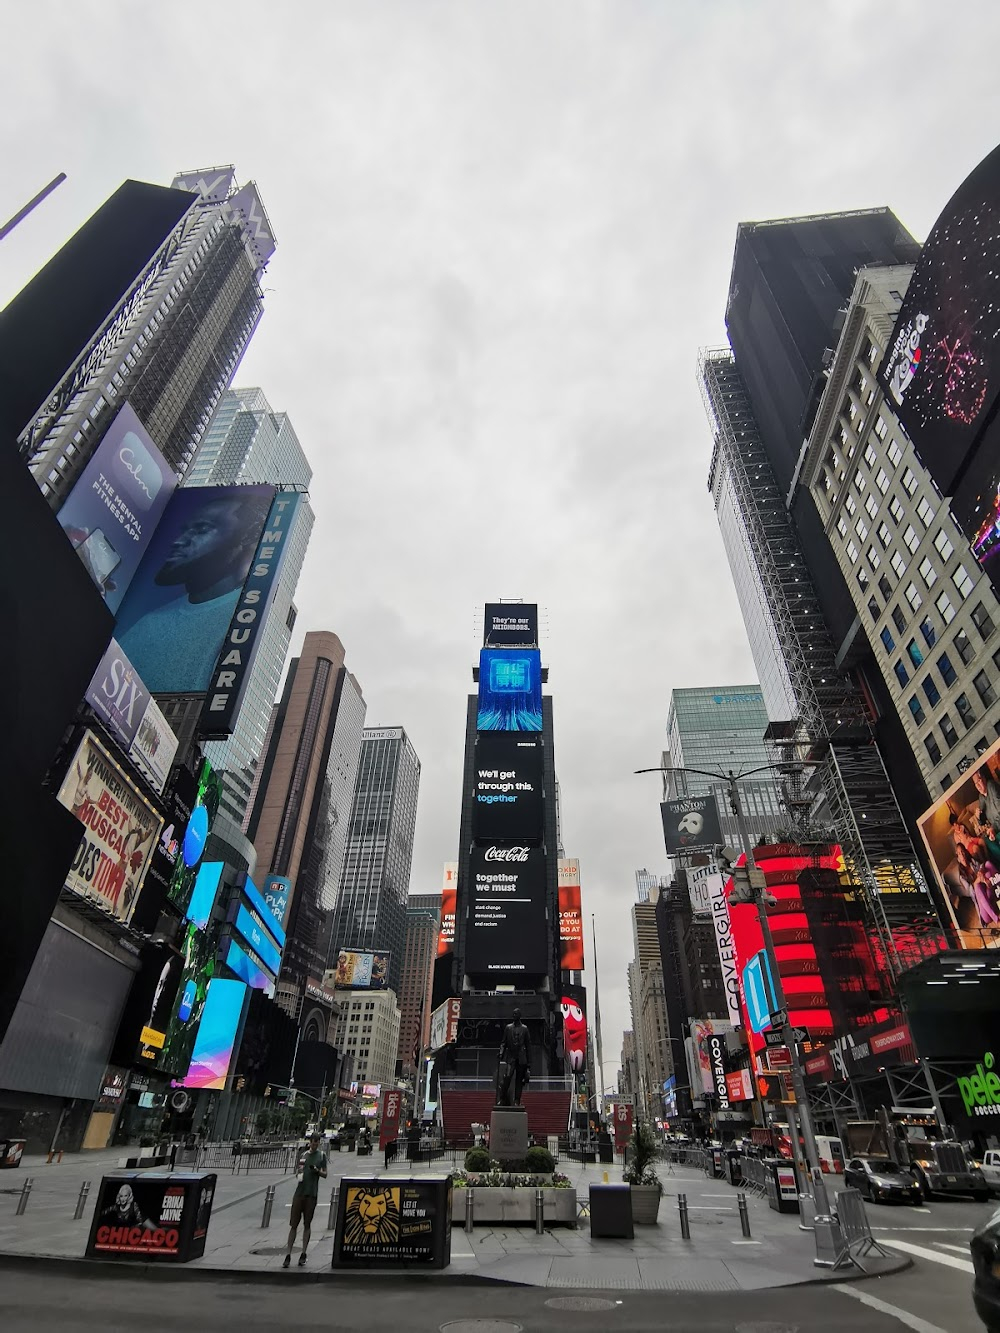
(775, 1087)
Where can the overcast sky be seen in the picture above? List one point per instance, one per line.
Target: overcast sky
(504, 229)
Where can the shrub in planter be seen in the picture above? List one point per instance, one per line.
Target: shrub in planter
(477, 1159)
(539, 1161)
(643, 1151)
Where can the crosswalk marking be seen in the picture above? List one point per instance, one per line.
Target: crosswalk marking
(911, 1321)
(922, 1252)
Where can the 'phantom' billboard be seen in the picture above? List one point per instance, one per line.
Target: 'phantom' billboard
(507, 926)
(510, 690)
(507, 801)
(690, 821)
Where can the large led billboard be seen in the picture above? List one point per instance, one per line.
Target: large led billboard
(205, 893)
(941, 370)
(573, 1008)
(570, 915)
(449, 897)
(506, 933)
(690, 821)
(119, 831)
(961, 832)
(510, 625)
(195, 835)
(119, 697)
(362, 970)
(218, 1034)
(510, 690)
(184, 595)
(976, 502)
(198, 967)
(111, 513)
(507, 796)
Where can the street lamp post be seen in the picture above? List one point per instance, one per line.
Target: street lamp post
(732, 782)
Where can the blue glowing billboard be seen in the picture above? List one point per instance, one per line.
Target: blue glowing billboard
(510, 690)
(258, 900)
(218, 1034)
(204, 893)
(250, 927)
(238, 961)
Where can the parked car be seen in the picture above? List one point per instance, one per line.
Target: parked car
(985, 1246)
(880, 1180)
(990, 1167)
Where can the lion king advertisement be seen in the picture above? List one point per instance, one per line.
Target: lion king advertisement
(394, 1223)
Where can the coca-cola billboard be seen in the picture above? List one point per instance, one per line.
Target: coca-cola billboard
(507, 933)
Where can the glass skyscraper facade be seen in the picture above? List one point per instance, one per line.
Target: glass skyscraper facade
(374, 883)
(249, 443)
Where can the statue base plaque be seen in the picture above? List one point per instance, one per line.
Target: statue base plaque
(509, 1133)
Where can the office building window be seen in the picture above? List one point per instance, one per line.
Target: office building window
(861, 528)
(931, 691)
(863, 579)
(895, 453)
(852, 553)
(963, 646)
(943, 546)
(896, 510)
(898, 564)
(914, 653)
(859, 481)
(928, 631)
(882, 480)
(963, 581)
(913, 597)
(873, 557)
(983, 621)
(927, 572)
(888, 642)
(898, 619)
(985, 689)
(842, 525)
(910, 539)
(909, 481)
(884, 587)
(945, 608)
(883, 534)
(881, 429)
(901, 675)
(947, 730)
(850, 504)
(916, 710)
(965, 710)
(933, 749)
(871, 504)
(948, 672)
(871, 457)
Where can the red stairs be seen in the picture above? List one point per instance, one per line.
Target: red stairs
(548, 1112)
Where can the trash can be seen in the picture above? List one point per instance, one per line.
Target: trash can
(152, 1215)
(392, 1223)
(10, 1153)
(731, 1167)
(782, 1192)
(611, 1212)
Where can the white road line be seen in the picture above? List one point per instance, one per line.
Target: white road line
(947, 1230)
(911, 1321)
(959, 1249)
(922, 1252)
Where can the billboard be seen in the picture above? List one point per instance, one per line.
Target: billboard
(118, 696)
(507, 927)
(690, 821)
(240, 962)
(449, 892)
(361, 970)
(392, 1108)
(444, 1023)
(570, 915)
(232, 671)
(181, 602)
(179, 804)
(198, 967)
(573, 1007)
(195, 835)
(724, 945)
(510, 690)
(941, 370)
(120, 829)
(218, 1034)
(507, 796)
(112, 511)
(276, 892)
(510, 625)
(204, 893)
(961, 832)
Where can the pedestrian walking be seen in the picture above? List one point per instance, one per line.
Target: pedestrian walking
(311, 1169)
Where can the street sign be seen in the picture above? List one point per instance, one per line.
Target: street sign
(779, 1019)
(800, 1034)
(773, 1038)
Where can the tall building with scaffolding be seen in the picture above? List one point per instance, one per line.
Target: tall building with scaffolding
(790, 285)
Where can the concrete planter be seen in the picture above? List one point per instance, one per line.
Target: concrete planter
(515, 1207)
(645, 1204)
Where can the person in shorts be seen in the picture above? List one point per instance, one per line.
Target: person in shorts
(311, 1168)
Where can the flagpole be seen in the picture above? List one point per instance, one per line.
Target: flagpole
(597, 1020)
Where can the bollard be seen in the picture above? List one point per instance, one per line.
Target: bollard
(331, 1220)
(22, 1202)
(469, 1207)
(539, 1212)
(741, 1203)
(81, 1202)
(682, 1213)
(265, 1221)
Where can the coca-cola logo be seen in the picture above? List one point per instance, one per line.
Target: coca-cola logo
(506, 854)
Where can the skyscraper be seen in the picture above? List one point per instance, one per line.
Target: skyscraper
(153, 303)
(248, 442)
(371, 903)
(416, 984)
(300, 802)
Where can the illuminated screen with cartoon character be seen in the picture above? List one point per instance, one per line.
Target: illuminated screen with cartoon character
(573, 1007)
(510, 690)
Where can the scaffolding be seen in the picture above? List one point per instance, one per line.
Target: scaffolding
(836, 774)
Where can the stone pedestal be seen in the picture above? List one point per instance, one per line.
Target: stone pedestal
(509, 1133)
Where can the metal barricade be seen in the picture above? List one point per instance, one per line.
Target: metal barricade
(855, 1226)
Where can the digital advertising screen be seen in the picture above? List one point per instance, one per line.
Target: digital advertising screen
(573, 1008)
(259, 902)
(205, 893)
(198, 967)
(182, 599)
(238, 960)
(976, 502)
(119, 832)
(163, 862)
(194, 836)
(218, 1034)
(941, 369)
(119, 697)
(507, 927)
(961, 832)
(510, 625)
(111, 513)
(507, 800)
(510, 690)
(570, 915)
(690, 821)
(276, 892)
(249, 927)
(361, 970)
(449, 896)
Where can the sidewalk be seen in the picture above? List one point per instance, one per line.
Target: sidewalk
(716, 1258)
